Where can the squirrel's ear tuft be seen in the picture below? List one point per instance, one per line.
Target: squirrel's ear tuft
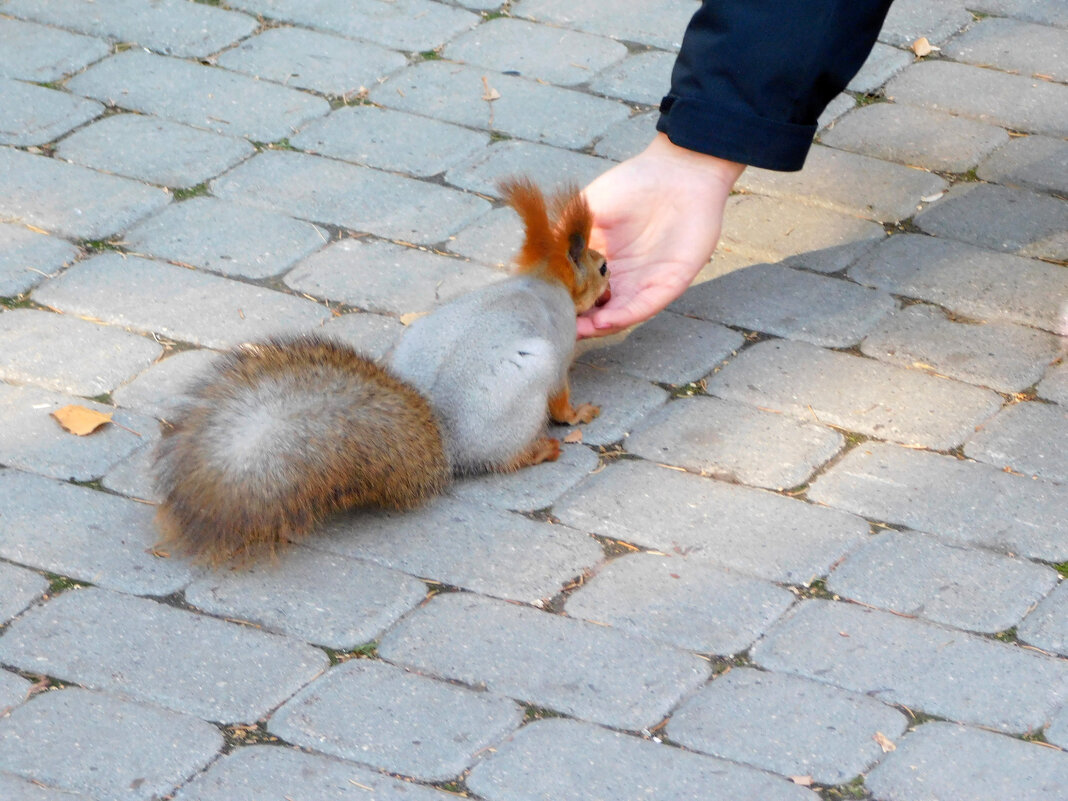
(523, 196)
(576, 246)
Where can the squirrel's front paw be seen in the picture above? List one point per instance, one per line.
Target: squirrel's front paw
(584, 413)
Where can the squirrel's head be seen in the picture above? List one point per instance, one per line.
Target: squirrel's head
(557, 248)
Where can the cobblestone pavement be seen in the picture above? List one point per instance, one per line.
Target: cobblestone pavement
(814, 547)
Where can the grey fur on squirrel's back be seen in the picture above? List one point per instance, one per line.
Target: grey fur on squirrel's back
(284, 433)
(488, 362)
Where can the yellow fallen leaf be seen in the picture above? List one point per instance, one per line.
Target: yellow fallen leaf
(804, 781)
(80, 420)
(921, 47)
(411, 317)
(574, 436)
(884, 742)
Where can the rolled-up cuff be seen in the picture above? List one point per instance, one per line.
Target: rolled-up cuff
(734, 135)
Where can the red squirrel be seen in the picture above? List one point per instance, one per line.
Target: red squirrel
(283, 433)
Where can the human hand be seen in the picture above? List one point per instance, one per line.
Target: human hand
(656, 219)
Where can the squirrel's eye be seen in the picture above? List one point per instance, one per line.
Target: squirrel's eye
(604, 269)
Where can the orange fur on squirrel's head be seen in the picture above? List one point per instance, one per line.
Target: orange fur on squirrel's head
(557, 248)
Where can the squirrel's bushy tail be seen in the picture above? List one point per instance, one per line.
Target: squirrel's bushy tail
(281, 435)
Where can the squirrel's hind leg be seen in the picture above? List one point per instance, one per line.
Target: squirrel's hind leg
(543, 449)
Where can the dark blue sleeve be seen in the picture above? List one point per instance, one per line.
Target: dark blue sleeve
(752, 77)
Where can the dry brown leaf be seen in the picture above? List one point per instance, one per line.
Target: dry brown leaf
(574, 436)
(921, 47)
(804, 781)
(489, 94)
(884, 742)
(80, 420)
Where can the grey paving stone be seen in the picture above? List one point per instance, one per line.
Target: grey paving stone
(854, 393)
(42, 54)
(1035, 162)
(325, 190)
(166, 26)
(32, 439)
(751, 531)
(565, 760)
(1057, 732)
(198, 95)
(467, 545)
(1047, 12)
(642, 78)
(624, 401)
(85, 534)
(929, 668)
(371, 712)
(849, 183)
(161, 655)
(68, 354)
(532, 488)
(960, 501)
(789, 303)
(787, 725)
(652, 22)
(575, 667)
(839, 105)
(413, 25)
(527, 109)
(1055, 385)
(680, 602)
(182, 304)
(390, 140)
(270, 773)
(1000, 218)
(132, 476)
(162, 387)
(963, 587)
(516, 46)
(104, 746)
(226, 238)
(370, 334)
(908, 20)
(773, 229)
(956, 763)
(555, 168)
(1011, 101)
(733, 442)
(968, 280)
(23, 790)
(1013, 46)
(915, 136)
(317, 597)
(13, 690)
(18, 588)
(34, 115)
(669, 349)
(312, 60)
(1003, 356)
(1030, 438)
(383, 277)
(27, 257)
(882, 64)
(1047, 626)
(492, 239)
(153, 150)
(71, 201)
(627, 137)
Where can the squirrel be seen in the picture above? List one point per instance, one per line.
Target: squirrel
(284, 433)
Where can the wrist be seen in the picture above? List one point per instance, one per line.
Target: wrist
(712, 168)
